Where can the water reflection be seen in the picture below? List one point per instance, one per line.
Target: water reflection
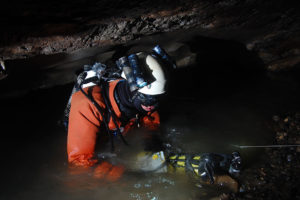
(41, 171)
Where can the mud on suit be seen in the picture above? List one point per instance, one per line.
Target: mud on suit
(85, 122)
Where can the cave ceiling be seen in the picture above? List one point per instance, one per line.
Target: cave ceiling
(30, 28)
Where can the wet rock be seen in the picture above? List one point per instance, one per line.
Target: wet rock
(122, 25)
(47, 50)
(228, 182)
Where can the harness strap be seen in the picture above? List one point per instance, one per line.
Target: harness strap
(90, 97)
(112, 114)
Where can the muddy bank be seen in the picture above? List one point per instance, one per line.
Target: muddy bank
(275, 174)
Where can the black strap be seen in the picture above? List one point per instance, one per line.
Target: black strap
(112, 114)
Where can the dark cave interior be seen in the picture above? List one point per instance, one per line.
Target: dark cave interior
(245, 65)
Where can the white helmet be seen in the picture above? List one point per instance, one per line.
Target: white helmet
(157, 86)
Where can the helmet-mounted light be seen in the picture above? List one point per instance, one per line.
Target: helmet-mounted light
(145, 73)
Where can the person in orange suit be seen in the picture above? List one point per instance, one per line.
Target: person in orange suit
(117, 106)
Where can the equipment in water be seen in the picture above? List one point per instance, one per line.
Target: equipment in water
(206, 165)
(151, 162)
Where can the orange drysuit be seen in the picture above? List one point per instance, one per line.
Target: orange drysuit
(85, 122)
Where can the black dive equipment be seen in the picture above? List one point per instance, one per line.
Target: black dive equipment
(159, 52)
(134, 74)
(123, 64)
(206, 165)
(147, 100)
(131, 67)
(133, 61)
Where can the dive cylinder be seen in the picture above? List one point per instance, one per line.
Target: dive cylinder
(158, 51)
(90, 76)
(133, 61)
(123, 64)
(93, 73)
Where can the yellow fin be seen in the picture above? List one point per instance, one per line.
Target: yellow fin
(196, 171)
(173, 157)
(181, 163)
(197, 157)
(195, 166)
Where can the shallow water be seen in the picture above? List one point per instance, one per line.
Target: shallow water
(206, 110)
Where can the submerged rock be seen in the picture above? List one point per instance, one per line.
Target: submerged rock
(228, 182)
